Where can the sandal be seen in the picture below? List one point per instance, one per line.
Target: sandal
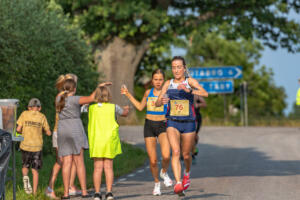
(74, 192)
(86, 196)
(63, 197)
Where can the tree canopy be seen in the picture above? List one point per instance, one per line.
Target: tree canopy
(129, 36)
(264, 97)
(136, 21)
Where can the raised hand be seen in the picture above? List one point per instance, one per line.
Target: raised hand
(165, 99)
(125, 111)
(183, 87)
(124, 90)
(104, 84)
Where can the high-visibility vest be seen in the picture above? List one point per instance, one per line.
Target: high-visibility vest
(103, 131)
(298, 98)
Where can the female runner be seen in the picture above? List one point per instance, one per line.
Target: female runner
(180, 119)
(155, 127)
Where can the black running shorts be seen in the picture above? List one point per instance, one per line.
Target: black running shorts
(154, 128)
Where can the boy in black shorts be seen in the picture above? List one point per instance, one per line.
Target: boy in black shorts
(31, 124)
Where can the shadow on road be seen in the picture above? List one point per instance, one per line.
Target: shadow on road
(207, 196)
(215, 161)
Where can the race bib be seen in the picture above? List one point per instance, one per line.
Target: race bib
(151, 105)
(180, 108)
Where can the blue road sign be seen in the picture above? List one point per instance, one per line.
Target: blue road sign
(228, 72)
(217, 87)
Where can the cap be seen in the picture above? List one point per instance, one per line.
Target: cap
(34, 102)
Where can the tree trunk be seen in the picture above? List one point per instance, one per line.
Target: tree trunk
(118, 62)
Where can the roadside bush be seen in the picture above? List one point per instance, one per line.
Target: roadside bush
(37, 44)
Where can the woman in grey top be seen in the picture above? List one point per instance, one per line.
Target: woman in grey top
(72, 139)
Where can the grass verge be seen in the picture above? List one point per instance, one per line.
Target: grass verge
(131, 158)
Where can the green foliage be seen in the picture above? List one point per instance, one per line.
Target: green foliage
(133, 20)
(136, 20)
(295, 113)
(38, 44)
(264, 98)
(170, 22)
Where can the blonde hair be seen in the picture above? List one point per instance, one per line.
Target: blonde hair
(61, 80)
(71, 76)
(69, 86)
(102, 94)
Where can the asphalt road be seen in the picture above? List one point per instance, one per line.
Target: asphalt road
(233, 163)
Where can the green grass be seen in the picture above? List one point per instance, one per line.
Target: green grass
(131, 158)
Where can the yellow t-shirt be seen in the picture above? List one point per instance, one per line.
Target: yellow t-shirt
(33, 123)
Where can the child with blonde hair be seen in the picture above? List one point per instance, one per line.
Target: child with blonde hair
(57, 165)
(104, 141)
(71, 138)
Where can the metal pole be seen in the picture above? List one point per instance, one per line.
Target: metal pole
(245, 103)
(14, 170)
(242, 105)
(225, 110)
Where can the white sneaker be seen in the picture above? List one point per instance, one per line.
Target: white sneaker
(27, 186)
(156, 190)
(167, 181)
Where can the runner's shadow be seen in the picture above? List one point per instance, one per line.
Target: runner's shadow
(206, 196)
(127, 196)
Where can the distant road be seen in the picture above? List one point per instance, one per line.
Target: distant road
(234, 163)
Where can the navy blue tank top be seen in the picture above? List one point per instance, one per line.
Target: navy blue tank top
(181, 104)
(151, 108)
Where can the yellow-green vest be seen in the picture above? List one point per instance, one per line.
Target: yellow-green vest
(298, 98)
(103, 131)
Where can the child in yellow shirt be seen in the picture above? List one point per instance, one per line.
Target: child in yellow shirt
(31, 124)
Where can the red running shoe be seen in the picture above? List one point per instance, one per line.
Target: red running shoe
(178, 188)
(186, 182)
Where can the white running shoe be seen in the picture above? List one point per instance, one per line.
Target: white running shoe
(27, 186)
(156, 190)
(167, 180)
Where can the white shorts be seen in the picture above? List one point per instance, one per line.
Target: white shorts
(54, 140)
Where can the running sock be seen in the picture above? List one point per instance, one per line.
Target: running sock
(187, 173)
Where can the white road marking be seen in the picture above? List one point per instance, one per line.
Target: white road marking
(131, 175)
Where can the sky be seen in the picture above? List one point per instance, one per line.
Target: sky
(285, 67)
